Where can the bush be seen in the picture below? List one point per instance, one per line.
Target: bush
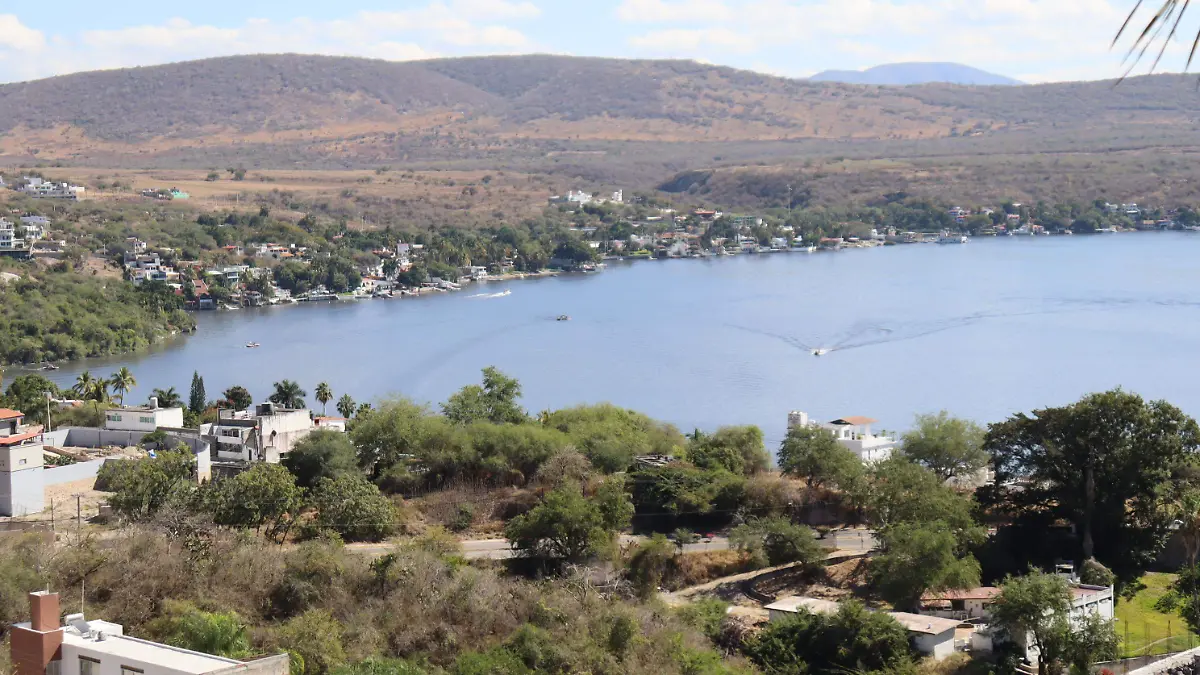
(321, 454)
(463, 518)
(778, 541)
(353, 507)
(219, 633)
(852, 640)
(317, 638)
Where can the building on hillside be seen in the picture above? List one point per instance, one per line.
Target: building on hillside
(853, 432)
(330, 423)
(264, 433)
(21, 465)
(40, 189)
(8, 236)
(930, 635)
(45, 646)
(146, 418)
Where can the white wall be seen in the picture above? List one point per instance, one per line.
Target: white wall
(937, 646)
(143, 420)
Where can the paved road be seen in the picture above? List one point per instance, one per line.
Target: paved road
(499, 549)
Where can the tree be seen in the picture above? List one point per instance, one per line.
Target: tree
(778, 541)
(1098, 464)
(237, 398)
(316, 638)
(649, 564)
(1168, 17)
(324, 395)
(319, 455)
(288, 394)
(28, 394)
(495, 401)
(197, 400)
(903, 492)
(736, 449)
(353, 507)
(917, 558)
(853, 640)
(566, 526)
(121, 382)
(142, 487)
(345, 406)
(813, 453)
(1091, 640)
(220, 633)
(89, 388)
(1036, 606)
(167, 398)
(266, 496)
(948, 446)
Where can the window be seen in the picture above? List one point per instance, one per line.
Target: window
(22, 462)
(146, 420)
(88, 666)
(130, 670)
(113, 418)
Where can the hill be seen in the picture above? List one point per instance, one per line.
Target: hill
(902, 74)
(585, 120)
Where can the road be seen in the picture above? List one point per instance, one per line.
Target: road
(848, 541)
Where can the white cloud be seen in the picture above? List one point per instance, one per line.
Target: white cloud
(454, 27)
(681, 41)
(682, 11)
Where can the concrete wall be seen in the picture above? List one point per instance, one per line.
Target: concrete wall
(936, 646)
(22, 492)
(1159, 667)
(72, 472)
(279, 664)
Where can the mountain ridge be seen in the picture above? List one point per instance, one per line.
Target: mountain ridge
(917, 72)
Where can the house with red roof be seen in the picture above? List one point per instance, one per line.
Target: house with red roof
(21, 465)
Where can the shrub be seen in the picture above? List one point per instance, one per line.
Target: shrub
(317, 638)
(353, 507)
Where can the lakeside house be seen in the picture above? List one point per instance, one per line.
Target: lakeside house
(853, 432)
(81, 647)
(264, 433)
(21, 465)
(146, 418)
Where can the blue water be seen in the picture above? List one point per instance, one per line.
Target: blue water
(982, 330)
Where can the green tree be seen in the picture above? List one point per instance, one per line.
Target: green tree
(649, 564)
(778, 541)
(611, 437)
(288, 394)
(1090, 640)
(167, 398)
(324, 395)
(813, 453)
(316, 637)
(495, 401)
(265, 497)
(917, 558)
(853, 640)
(345, 406)
(1098, 464)
(121, 382)
(319, 455)
(738, 450)
(197, 400)
(1036, 605)
(904, 492)
(381, 666)
(89, 388)
(237, 398)
(219, 633)
(28, 394)
(353, 507)
(142, 487)
(566, 526)
(1184, 597)
(948, 446)
(402, 428)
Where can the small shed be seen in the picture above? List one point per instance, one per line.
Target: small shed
(781, 609)
(931, 635)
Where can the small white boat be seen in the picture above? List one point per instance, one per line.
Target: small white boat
(820, 351)
(252, 345)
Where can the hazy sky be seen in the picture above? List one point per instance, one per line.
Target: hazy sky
(1032, 40)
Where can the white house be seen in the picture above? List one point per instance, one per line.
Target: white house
(146, 418)
(21, 464)
(81, 647)
(853, 432)
(40, 189)
(931, 635)
(262, 434)
(8, 235)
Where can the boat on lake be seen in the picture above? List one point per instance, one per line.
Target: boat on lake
(562, 317)
(252, 345)
(947, 238)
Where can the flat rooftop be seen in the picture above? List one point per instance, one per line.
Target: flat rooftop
(920, 623)
(133, 649)
(797, 603)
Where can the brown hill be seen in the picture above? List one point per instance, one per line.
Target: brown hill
(599, 119)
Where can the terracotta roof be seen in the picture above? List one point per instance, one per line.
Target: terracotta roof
(9, 413)
(981, 593)
(31, 433)
(325, 418)
(854, 420)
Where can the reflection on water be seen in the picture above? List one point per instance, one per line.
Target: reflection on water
(981, 330)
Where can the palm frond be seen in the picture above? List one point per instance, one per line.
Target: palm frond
(1167, 19)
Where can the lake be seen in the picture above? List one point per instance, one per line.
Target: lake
(982, 330)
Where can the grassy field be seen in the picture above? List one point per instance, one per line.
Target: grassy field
(1145, 630)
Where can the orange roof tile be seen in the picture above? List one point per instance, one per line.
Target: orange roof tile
(855, 420)
(9, 413)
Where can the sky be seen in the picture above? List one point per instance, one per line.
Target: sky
(1031, 40)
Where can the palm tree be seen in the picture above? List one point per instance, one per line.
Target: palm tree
(324, 395)
(345, 406)
(84, 384)
(167, 398)
(121, 382)
(1168, 18)
(288, 394)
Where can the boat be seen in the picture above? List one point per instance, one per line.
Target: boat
(49, 366)
(947, 238)
(563, 317)
(820, 351)
(232, 307)
(252, 345)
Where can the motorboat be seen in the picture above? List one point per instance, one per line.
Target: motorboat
(947, 238)
(820, 351)
(562, 317)
(49, 366)
(252, 345)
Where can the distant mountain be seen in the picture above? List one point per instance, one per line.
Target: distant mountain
(900, 74)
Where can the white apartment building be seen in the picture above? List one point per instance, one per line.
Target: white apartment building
(8, 235)
(853, 432)
(40, 189)
(263, 434)
(146, 418)
(45, 646)
(21, 465)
